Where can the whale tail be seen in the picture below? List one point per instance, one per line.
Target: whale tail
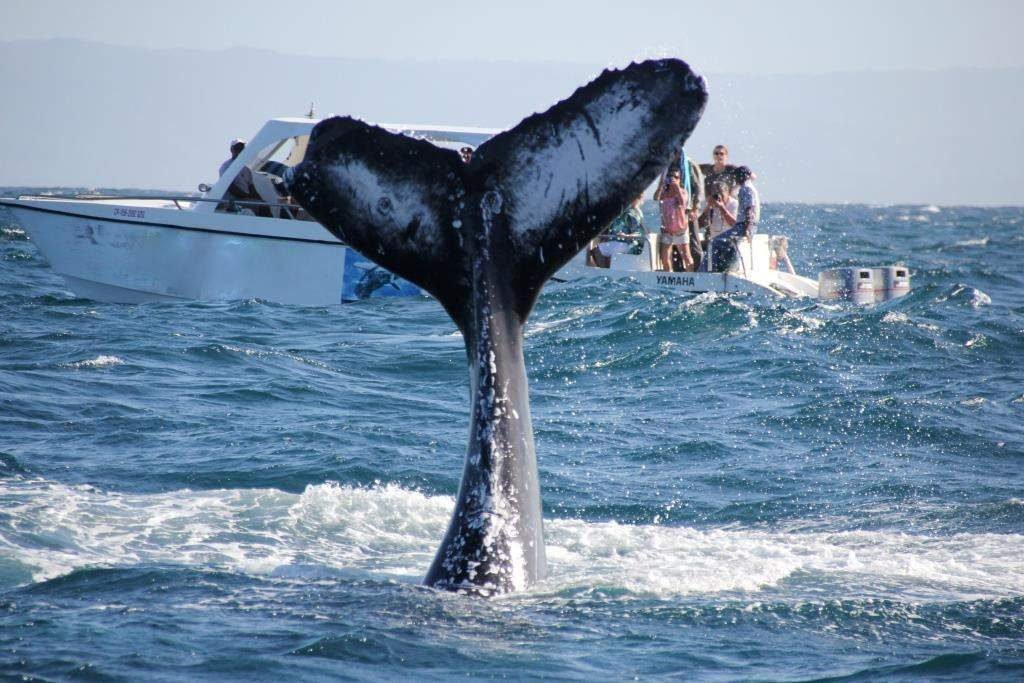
(562, 176)
(483, 238)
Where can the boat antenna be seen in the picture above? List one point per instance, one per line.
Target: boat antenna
(311, 114)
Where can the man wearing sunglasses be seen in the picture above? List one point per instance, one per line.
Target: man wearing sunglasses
(721, 171)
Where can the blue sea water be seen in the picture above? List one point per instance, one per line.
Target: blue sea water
(734, 488)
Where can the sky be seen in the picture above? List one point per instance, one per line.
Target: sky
(741, 37)
(867, 101)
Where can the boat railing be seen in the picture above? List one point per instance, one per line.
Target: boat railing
(176, 199)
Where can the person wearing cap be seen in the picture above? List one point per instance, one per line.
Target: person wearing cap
(749, 213)
(237, 145)
(242, 187)
(467, 154)
(743, 224)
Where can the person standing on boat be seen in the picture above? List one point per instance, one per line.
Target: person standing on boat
(721, 211)
(714, 175)
(743, 224)
(721, 171)
(675, 231)
(692, 180)
(697, 194)
(749, 211)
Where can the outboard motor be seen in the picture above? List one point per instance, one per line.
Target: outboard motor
(895, 282)
(852, 284)
(864, 285)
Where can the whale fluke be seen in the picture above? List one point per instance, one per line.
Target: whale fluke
(483, 238)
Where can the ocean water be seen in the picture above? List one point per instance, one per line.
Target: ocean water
(735, 488)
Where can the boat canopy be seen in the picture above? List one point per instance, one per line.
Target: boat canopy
(283, 141)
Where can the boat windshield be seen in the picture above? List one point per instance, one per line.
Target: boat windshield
(282, 155)
(259, 188)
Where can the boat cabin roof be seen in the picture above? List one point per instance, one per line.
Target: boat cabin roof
(285, 140)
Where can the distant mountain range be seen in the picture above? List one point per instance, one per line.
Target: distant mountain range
(87, 114)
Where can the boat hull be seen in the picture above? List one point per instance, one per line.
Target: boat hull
(159, 254)
(775, 284)
(754, 273)
(153, 251)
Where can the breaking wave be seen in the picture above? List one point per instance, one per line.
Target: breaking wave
(390, 533)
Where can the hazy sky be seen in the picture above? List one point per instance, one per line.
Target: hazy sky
(756, 37)
(858, 101)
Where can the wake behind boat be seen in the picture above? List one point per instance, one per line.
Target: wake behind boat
(134, 249)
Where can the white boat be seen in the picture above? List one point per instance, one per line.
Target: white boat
(762, 267)
(135, 249)
(129, 249)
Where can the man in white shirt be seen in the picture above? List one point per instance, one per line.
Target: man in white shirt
(720, 213)
(743, 224)
(749, 213)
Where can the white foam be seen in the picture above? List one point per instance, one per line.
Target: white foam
(978, 297)
(978, 340)
(97, 362)
(681, 561)
(390, 533)
(275, 353)
(573, 316)
(900, 318)
(797, 322)
(749, 311)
